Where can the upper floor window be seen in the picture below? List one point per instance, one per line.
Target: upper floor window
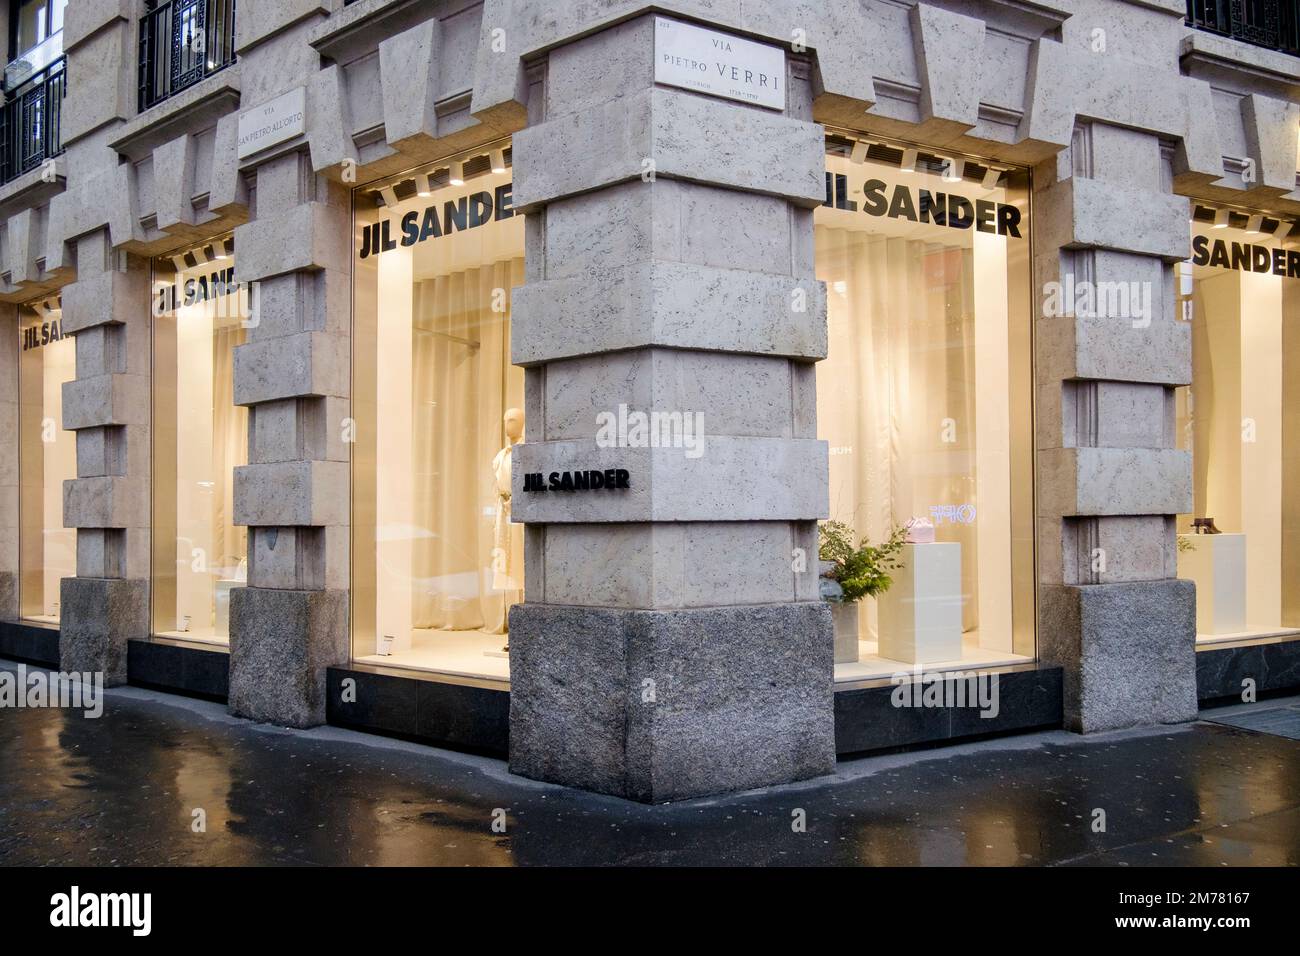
(35, 22)
(1268, 23)
(181, 43)
(35, 41)
(34, 87)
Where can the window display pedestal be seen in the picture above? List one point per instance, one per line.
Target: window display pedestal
(844, 617)
(920, 614)
(223, 604)
(1217, 564)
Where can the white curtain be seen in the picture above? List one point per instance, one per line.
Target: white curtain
(896, 396)
(229, 449)
(463, 383)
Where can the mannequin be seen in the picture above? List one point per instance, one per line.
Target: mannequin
(507, 539)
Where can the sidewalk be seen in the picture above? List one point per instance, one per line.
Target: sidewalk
(123, 789)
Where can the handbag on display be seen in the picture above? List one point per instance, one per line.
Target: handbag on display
(919, 531)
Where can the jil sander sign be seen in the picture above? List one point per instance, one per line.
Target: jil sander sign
(695, 58)
(273, 122)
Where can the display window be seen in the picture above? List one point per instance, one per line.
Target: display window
(1240, 420)
(47, 457)
(436, 562)
(925, 399)
(201, 313)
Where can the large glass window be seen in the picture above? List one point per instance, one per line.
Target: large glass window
(1240, 419)
(47, 457)
(926, 402)
(436, 562)
(200, 313)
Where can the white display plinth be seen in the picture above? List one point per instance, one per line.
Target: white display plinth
(1217, 564)
(920, 614)
(223, 604)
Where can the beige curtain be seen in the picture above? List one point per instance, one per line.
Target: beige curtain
(463, 385)
(229, 449)
(896, 396)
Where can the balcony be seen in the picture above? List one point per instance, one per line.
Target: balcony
(1274, 24)
(29, 120)
(181, 43)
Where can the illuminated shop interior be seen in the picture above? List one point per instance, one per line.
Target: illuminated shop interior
(47, 456)
(436, 562)
(200, 314)
(926, 400)
(1240, 419)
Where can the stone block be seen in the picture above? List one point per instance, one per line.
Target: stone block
(97, 618)
(101, 400)
(110, 501)
(1271, 127)
(668, 220)
(408, 74)
(1114, 481)
(301, 364)
(665, 303)
(684, 136)
(580, 393)
(309, 236)
(281, 642)
(949, 57)
(292, 493)
(667, 705)
(1128, 652)
(8, 595)
(733, 479)
(674, 564)
(110, 297)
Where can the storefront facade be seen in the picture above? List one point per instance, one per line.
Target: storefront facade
(487, 372)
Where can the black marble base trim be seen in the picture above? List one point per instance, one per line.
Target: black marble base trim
(867, 721)
(457, 716)
(31, 643)
(1273, 665)
(179, 668)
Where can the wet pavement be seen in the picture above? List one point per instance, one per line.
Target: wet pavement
(123, 789)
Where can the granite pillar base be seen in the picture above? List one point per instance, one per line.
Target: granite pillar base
(281, 643)
(97, 616)
(1128, 652)
(665, 705)
(8, 595)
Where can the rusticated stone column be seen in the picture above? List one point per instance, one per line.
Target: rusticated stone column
(291, 621)
(671, 643)
(107, 405)
(1111, 480)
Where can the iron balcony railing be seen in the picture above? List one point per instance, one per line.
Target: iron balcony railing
(29, 121)
(181, 43)
(1274, 24)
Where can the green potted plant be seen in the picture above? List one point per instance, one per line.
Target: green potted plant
(851, 572)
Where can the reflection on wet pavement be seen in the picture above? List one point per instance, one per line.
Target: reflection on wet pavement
(123, 790)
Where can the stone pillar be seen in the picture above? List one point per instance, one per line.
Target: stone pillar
(671, 643)
(1112, 612)
(9, 591)
(291, 622)
(107, 405)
